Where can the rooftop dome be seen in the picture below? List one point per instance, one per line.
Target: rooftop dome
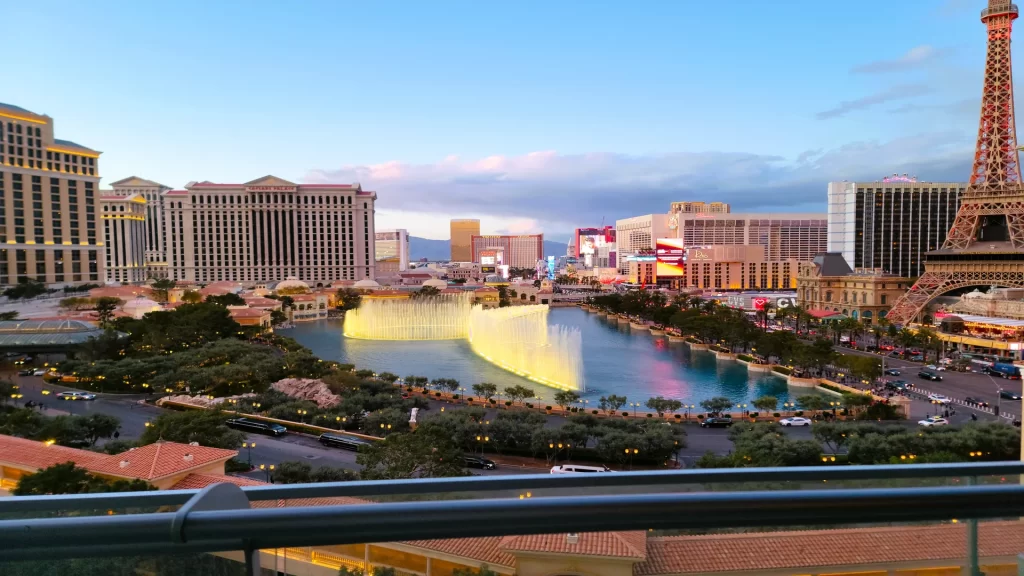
(366, 283)
(139, 307)
(291, 283)
(436, 283)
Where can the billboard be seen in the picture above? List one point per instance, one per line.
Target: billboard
(489, 261)
(551, 267)
(670, 255)
(588, 240)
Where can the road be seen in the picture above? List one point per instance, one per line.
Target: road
(957, 385)
(134, 414)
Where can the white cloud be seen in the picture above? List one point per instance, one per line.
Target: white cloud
(552, 193)
(915, 57)
(900, 92)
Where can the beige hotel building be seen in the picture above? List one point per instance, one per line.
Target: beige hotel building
(269, 229)
(48, 200)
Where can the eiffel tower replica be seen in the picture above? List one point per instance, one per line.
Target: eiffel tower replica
(985, 246)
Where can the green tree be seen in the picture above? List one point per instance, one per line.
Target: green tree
(835, 435)
(716, 405)
(105, 308)
(348, 299)
(611, 403)
(192, 297)
(426, 292)
(292, 473)
(503, 297)
(766, 403)
(161, 288)
(485, 390)
(207, 427)
(228, 299)
(662, 405)
(413, 455)
(7, 389)
(812, 402)
(67, 478)
(9, 316)
(278, 317)
(96, 426)
(566, 398)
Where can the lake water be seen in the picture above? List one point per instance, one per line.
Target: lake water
(617, 360)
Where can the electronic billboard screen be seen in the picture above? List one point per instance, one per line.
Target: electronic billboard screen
(670, 254)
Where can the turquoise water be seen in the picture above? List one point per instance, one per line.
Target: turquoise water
(617, 360)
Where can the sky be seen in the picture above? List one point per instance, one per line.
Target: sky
(534, 116)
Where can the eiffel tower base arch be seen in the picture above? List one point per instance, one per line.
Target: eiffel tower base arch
(946, 278)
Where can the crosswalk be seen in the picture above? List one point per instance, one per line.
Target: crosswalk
(918, 391)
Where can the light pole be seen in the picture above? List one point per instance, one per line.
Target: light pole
(248, 451)
(385, 427)
(268, 470)
(631, 452)
(634, 405)
(256, 406)
(301, 414)
(481, 440)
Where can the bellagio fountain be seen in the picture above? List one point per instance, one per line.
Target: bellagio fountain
(517, 338)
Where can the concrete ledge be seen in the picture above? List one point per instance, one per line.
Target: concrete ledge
(802, 382)
(697, 346)
(672, 338)
(724, 355)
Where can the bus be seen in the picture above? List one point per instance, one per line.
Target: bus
(1003, 370)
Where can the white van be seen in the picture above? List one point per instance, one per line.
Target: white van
(574, 468)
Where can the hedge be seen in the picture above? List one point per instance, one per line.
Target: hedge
(782, 370)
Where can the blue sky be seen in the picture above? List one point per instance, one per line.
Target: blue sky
(533, 116)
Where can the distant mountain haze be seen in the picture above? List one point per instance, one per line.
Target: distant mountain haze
(441, 249)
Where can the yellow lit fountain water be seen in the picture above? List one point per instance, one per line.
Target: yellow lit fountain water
(438, 318)
(516, 338)
(519, 339)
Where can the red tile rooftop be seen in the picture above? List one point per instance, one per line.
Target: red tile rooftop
(149, 462)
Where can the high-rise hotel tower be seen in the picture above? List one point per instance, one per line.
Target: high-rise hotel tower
(48, 199)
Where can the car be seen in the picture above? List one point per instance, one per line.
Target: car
(936, 368)
(895, 354)
(716, 422)
(24, 372)
(478, 462)
(929, 375)
(795, 421)
(342, 441)
(897, 384)
(1007, 394)
(257, 426)
(917, 358)
(892, 372)
(939, 398)
(886, 347)
(76, 396)
(933, 421)
(574, 468)
(976, 401)
(39, 373)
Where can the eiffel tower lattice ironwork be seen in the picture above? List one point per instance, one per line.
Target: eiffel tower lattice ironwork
(985, 246)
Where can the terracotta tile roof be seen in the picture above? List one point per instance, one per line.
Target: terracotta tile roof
(793, 550)
(148, 462)
(162, 459)
(304, 297)
(486, 289)
(609, 544)
(240, 312)
(485, 550)
(23, 453)
(817, 313)
(197, 481)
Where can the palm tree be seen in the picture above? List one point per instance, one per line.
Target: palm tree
(763, 314)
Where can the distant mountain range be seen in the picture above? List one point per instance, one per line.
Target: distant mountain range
(441, 249)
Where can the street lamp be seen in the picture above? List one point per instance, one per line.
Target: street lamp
(268, 470)
(256, 405)
(248, 450)
(632, 452)
(302, 413)
(635, 405)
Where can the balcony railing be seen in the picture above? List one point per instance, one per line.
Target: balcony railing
(1010, 9)
(221, 518)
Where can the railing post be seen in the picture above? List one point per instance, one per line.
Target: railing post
(972, 539)
(252, 559)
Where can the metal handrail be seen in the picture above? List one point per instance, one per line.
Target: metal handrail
(520, 482)
(1009, 9)
(203, 529)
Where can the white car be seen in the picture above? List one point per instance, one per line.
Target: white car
(933, 421)
(939, 398)
(795, 421)
(76, 396)
(939, 368)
